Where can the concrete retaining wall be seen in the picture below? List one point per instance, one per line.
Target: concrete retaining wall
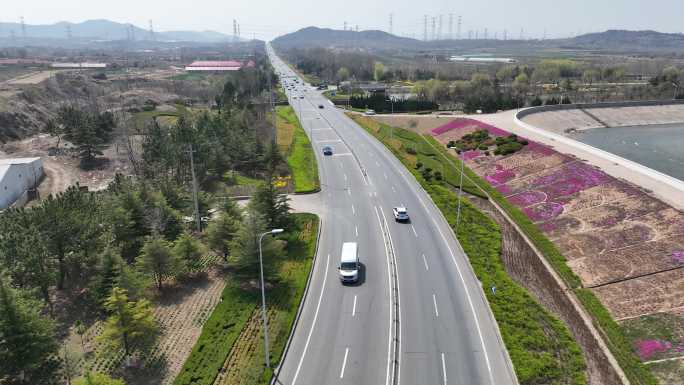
(560, 107)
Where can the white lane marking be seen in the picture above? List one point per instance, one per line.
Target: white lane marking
(329, 141)
(425, 263)
(345, 176)
(393, 189)
(344, 363)
(444, 369)
(458, 270)
(349, 191)
(354, 307)
(398, 296)
(344, 154)
(377, 163)
(389, 283)
(313, 324)
(414, 231)
(385, 175)
(356, 230)
(434, 302)
(353, 210)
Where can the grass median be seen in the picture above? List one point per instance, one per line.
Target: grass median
(230, 348)
(297, 148)
(540, 345)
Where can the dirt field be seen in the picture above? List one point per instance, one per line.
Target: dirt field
(31, 78)
(62, 171)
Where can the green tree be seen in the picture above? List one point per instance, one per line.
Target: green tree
(378, 71)
(521, 85)
(272, 205)
(245, 244)
(157, 261)
(27, 342)
(342, 74)
(130, 326)
(95, 378)
(220, 233)
(188, 249)
(108, 272)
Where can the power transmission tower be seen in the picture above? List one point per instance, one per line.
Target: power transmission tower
(451, 26)
(23, 30)
(194, 188)
(439, 29)
(68, 31)
(485, 34)
(544, 38)
(522, 33)
(470, 34)
(151, 31)
(391, 23)
(458, 31)
(433, 28)
(235, 33)
(238, 32)
(357, 28)
(345, 26)
(425, 28)
(477, 35)
(132, 31)
(505, 34)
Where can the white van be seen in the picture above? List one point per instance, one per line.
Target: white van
(349, 263)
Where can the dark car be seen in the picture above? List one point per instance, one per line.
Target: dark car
(327, 150)
(320, 106)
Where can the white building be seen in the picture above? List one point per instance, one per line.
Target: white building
(17, 177)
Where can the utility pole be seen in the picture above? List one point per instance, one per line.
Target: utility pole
(194, 188)
(272, 103)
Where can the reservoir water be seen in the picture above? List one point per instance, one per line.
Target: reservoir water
(660, 147)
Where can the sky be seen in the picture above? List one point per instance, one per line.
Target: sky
(267, 19)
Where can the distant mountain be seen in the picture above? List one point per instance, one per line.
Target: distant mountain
(609, 41)
(623, 40)
(107, 30)
(331, 38)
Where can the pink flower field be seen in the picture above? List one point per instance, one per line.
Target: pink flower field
(622, 242)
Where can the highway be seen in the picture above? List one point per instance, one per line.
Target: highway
(418, 315)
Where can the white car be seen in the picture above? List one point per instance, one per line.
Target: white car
(370, 112)
(400, 214)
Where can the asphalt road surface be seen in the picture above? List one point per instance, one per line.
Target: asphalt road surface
(417, 315)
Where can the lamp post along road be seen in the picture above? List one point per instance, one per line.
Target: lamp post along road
(263, 295)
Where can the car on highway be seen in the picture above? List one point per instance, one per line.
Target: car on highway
(327, 150)
(400, 214)
(321, 106)
(349, 263)
(370, 112)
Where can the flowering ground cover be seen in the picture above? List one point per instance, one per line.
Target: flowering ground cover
(623, 243)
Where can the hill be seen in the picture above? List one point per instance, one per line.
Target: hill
(107, 30)
(331, 38)
(609, 41)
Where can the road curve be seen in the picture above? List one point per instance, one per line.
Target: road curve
(418, 315)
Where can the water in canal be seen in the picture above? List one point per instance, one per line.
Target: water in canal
(660, 147)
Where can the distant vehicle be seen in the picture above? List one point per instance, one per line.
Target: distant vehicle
(370, 112)
(321, 106)
(327, 150)
(349, 263)
(400, 214)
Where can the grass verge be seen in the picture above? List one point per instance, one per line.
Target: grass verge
(295, 145)
(224, 332)
(540, 346)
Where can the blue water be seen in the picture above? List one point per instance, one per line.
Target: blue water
(660, 147)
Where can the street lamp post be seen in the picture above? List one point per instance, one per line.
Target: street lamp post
(263, 294)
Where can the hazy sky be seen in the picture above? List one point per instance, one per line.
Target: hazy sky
(266, 19)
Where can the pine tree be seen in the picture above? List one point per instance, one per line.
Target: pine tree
(221, 232)
(271, 205)
(27, 342)
(189, 250)
(245, 244)
(157, 261)
(130, 326)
